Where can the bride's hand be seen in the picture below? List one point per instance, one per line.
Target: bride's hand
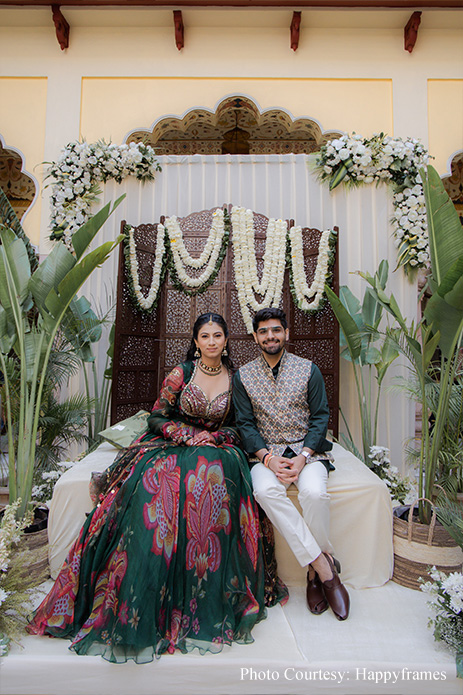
(203, 438)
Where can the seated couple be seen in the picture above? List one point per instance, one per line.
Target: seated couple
(172, 557)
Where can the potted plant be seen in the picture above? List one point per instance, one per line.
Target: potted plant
(440, 329)
(33, 306)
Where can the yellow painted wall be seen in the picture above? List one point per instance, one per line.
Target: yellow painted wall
(113, 107)
(23, 104)
(445, 107)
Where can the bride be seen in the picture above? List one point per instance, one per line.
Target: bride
(171, 557)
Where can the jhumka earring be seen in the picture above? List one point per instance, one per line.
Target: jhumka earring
(225, 352)
(197, 353)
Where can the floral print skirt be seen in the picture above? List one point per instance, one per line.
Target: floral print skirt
(170, 559)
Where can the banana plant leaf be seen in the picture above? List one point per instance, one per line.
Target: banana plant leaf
(445, 231)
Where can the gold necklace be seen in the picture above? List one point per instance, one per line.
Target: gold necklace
(211, 371)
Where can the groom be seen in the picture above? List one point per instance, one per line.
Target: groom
(282, 414)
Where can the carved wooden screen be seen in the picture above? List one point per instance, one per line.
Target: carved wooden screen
(147, 346)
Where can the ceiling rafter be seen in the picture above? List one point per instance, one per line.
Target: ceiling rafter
(61, 25)
(179, 29)
(295, 29)
(319, 4)
(411, 31)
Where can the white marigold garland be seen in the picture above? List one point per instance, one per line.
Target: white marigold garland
(208, 257)
(247, 282)
(302, 293)
(149, 302)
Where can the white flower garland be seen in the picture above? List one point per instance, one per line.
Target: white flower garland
(147, 302)
(247, 281)
(79, 170)
(355, 160)
(208, 257)
(302, 291)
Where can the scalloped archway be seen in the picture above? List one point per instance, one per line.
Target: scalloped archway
(453, 183)
(237, 126)
(18, 186)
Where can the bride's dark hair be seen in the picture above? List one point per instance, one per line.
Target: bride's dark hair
(210, 317)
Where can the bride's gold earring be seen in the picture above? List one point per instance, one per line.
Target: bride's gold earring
(197, 352)
(225, 352)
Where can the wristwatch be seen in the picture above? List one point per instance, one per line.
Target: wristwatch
(306, 454)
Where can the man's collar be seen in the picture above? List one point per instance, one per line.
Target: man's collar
(277, 364)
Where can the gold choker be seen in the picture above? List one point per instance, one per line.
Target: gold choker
(211, 371)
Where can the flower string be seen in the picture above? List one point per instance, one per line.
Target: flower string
(245, 265)
(299, 287)
(208, 257)
(149, 302)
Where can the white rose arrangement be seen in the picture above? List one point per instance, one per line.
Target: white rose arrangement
(79, 170)
(446, 602)
(354, 160)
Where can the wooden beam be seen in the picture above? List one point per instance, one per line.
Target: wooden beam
(295, 30)
(319, 4)
(179, 31)
(62, 27)
(411, 31)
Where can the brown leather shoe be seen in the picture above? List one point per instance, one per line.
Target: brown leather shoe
(336, 593)
(316, 600)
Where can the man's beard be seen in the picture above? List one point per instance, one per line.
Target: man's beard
(273, 348)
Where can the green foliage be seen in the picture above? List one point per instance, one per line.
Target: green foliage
(33, 307)
(441, 326)
(364, 346)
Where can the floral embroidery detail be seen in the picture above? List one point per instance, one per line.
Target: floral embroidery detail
(124, 613)
(206, 513)
(161, 513)
(135, 619)
(106, 592)
(173, 634)
(196, 626)
(253, 607)
(249, 525)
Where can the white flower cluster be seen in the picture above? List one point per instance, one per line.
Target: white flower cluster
(78, 171)
(208, 257)
(409, 225)
(354, 159)
(147, 302)
(400, 488)
(10, 534)
(446, 602)
(446, 590)
(245, 264)
(42, 492)
(302, 290)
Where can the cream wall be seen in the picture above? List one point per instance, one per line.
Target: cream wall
(350, 72)
(23, 108)
(104, 101)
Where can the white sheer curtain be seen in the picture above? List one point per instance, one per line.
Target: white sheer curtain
(280, 186)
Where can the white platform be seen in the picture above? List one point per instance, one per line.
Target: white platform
(385, 636)
(361, 519)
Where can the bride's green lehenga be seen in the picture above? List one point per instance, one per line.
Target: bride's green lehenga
(171, 557)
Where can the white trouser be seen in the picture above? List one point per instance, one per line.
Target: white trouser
(306, 535)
